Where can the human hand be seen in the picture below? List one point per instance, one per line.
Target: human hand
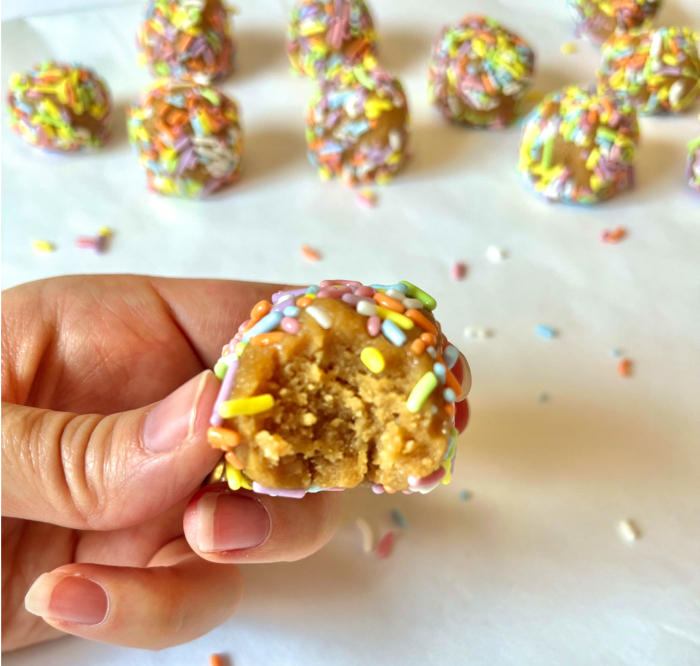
(102, 518)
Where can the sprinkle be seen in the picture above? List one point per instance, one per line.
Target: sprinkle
(417, 347)
(373, 359)
(616, 353)
(367, 535)
(422, 321)
(426, 299)
(543, 397)
(402, 321)
(421, 391)
(290, 325)
(464, 495)
(440, 372)
(321, 317)
(458, 271)
(223, 438)
(393, 333)
(399, 519)
(496, 254)
(568, 48)
(310, 254)
(385, 546)
(247, 406)
(366, 198)
(624, 368)
(366, 308)
(613, 236)
(291, 311)
(478, 332)
(545, 332)
(268, 323)
(215, 660)
(374, 325)
(450, 356)
(628, 530)
(448, 395)
(43, 246)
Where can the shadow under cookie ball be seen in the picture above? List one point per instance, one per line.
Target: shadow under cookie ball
(656, 71)
(323, 34)
(188, 138)
(599, 19)
(479, 73)
(578, 147)
(60, 107)
(357, 125)
(181, 38)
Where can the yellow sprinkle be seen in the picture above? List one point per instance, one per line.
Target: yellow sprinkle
(425, 386)
(236, 479)
(568, 48)
(246, 406)
(43, 246)
(105, 231)
(373, 359)
(447, 466)
(402, 321)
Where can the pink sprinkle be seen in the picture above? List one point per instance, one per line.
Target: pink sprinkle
(385, 546)
(374, 325)
(366, 198)
(459, 271)
(86, 242)
(290, 325)
(614, 236)
(368, 292)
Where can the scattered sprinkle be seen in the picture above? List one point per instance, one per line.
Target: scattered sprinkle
(367, 535)
(385, 546)
(464, 495)
(629, 530)
(616, 353)
(613, 235)
(543, 397)
(399, 519)
(459, 271)
(43, 246)
(478, 332)
(496, 254)
(310, 254)
(215, 660)
(624, 368)
(545, 332)
(568, 48)
(366, 198)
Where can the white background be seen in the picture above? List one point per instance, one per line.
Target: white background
(531, 570)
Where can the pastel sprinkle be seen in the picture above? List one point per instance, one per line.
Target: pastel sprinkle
(367, 535)
(616, 353)
(614, 235)
(291, 311)
(440, 372)
(374, 326)
(629, 530)
(373, 359)
(310, 254)
(450, 356)
(385, 546)
(624, 368)
(458, 271)
(399, 519)
(448, 395)
(290, 325)
(426, 299)
(366, 308)
(393, 333)
(545, 332)
(246, 406)
(479, 332)
(321, 317)
(43, 246)
(464, 495)
(543, 397)
(215, 660)
(568, 48)
(421, 391)
(268, 323)
(496, 254)
(366, 198)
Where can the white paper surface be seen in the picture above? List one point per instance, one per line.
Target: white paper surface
(530, 571)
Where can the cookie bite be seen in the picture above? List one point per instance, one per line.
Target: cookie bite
(579, 147)
(60, 107)
(693, 170)
(656, 71)
(188, 138)
(187, 38)
(479, 73)
(339, 384)
(323, 34)
(357, 125)
(596, 20)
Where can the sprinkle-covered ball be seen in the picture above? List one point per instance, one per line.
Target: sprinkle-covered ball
(578, 147)
(325, 33)
(657, 71)
(188, 138)
(479, 73)
(357, 125)
(339, 384)
(599, 19)
(693, 172)
(181, 38)
(60, 107)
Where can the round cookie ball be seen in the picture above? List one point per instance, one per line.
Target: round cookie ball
(578, 147)
(479, 73)
(325, 33)
(357, 125)
(657, 71)
(60, 107)
(181, 38)
(693, 171)
(339, 384)
(188, 138)
(599, 19)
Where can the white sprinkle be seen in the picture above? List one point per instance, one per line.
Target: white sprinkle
(396, 295)
(628, 530)
(367, 534)
(412, 304)
(478, 332)
(322, 319)
(496, 254)
(366, 308)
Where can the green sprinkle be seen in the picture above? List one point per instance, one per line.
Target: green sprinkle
(425, 386)
(426, 299)
(220, 370)
(211, 96)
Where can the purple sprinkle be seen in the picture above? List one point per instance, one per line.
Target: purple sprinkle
(292, 292)
(224, 393)
(276, 492)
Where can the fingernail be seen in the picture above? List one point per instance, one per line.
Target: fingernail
(230, 522)
(67, 598)
(181, 415)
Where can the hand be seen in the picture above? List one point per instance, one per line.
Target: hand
(103, 522)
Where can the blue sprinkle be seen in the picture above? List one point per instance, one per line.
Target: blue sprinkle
(313, 289)
(393, 333)
(464, 495)
(431, 352)
(399, 519)
(448, 395)
(268, 323)
(440, 372)
(291, 311)
(542, 397)
(616, 353)
(385, 287)
(451, 354)
(545, 331)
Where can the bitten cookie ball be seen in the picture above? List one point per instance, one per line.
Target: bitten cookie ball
(479, 73)
(338, 384)
(693, 171)
(60, 107)
(325, 33)
(656, 71)
(357, 125)
(181, 38)
(599, 19)
(578, 147)
(188, 138)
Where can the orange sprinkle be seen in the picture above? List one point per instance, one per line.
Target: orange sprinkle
(310, 254)
(417, 346)
(429, 339)
(624, 367)
(259, 310)
(304, 302)
(417, 318)
(215, 660)
(265, 339)
(452, 382)
(487, 84)
(449, 409)
(223, 438)
(389, 303)
(391, 491)
(232, 460)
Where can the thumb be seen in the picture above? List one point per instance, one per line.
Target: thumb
(107, 472)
